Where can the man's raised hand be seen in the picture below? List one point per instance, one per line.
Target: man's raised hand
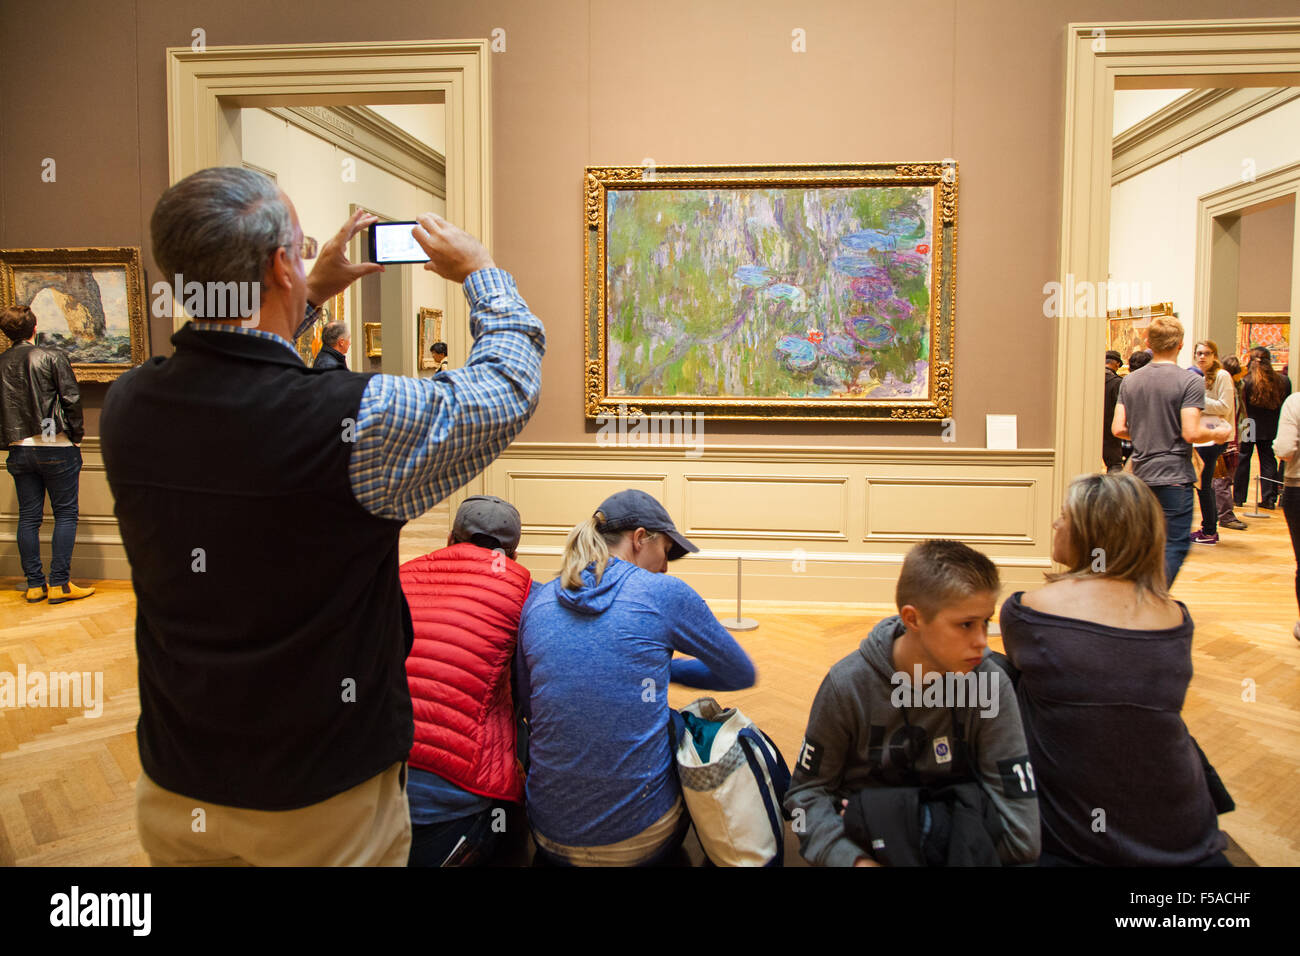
(333, 272)
(453, 253)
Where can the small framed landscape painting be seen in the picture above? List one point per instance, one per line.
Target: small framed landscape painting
(88, 302)
(373, 342)
(746, 292)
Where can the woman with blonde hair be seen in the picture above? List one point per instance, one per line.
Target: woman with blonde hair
(1105, 657)
(1220, 406)
(594, 663)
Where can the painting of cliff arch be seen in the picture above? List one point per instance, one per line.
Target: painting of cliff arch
(798, 292)
(87, 302)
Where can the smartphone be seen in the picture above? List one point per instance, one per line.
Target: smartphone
(393, 242)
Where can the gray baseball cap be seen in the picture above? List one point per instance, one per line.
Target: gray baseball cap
(487, 515)
(635, 509)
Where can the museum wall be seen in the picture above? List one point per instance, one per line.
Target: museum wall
(1153, 214)
(819, 511)
(1264, 279)
(616, 82)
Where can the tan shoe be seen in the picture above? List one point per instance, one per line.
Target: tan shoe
(36, 595)
(69, 592)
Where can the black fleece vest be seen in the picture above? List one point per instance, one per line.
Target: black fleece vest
(271, 629)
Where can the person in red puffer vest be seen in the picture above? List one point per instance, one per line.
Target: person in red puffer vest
(465, 602)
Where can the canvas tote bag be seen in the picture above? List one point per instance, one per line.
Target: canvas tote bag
(734, 780)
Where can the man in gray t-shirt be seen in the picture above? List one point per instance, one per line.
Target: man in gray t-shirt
(1159, 410)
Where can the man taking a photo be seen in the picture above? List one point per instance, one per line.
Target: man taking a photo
(271, 645)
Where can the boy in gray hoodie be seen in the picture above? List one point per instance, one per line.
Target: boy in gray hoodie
(918, 705)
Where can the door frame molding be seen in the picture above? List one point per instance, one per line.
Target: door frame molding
(1200, 53)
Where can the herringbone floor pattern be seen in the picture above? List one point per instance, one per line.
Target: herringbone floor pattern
(67, 780)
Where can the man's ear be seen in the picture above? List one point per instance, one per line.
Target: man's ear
(279, 273)
(911, 617)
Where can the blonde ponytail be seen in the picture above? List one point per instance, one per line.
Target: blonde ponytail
(586, 544)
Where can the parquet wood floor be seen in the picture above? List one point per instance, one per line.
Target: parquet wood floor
(67, 780)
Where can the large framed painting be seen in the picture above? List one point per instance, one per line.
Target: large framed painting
(1272, 330)
(806, 292)
(88, 302)
(430, 326)
(1126, 329)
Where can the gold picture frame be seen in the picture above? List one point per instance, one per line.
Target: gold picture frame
(429, 323)
(373, 341)
(806, 292)
(1269, 329)
(1126, 328)
(94, 309)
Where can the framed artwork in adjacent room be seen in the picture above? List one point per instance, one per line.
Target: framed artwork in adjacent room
(808, 292)
(1272, 330)
(1126, 329)
(430, 326)
(309, 343)
(89, 302)
(371, 331)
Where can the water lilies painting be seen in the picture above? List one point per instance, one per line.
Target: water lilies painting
(797, 292)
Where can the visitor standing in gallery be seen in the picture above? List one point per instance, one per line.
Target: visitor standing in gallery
(334, 343)
(1219, 408)
(1112, 449)
(40, 418)
(1159, 410)
(1264, 390)
(1287, 447)
(272, 644)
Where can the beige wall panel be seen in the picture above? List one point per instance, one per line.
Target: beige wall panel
(799, 519)
(552, 503)
(973, 509)
(771, 507)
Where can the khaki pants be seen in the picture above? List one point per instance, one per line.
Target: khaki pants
(368, 825)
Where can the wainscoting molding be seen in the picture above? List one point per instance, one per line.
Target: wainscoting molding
(815, 524)
(824, 524)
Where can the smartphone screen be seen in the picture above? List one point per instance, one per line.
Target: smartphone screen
(393, 242)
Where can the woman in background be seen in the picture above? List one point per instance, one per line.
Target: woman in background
(1105, 657)
(1287, 446)
(1264, 390)
(1226, 470)
(1219, 407)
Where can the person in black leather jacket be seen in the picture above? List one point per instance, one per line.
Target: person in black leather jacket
(41, 423)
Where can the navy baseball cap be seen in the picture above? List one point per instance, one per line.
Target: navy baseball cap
(633, 509)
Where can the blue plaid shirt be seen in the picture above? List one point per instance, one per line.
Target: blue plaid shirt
(419, 439)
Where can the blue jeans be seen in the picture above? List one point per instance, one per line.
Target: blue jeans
(38, 470)
(1176, 503)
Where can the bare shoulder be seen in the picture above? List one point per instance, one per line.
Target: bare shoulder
(1106, 601)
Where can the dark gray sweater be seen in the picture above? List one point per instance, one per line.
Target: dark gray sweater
(1119, 779)
(855, 732)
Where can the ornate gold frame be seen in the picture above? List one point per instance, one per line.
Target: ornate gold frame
(128, 257)
(941, 176)
(425, 361)
(371, 332)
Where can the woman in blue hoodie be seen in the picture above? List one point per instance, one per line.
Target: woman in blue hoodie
(594, 662)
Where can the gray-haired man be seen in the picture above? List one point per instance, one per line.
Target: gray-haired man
(333, 346)
(272, 644)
